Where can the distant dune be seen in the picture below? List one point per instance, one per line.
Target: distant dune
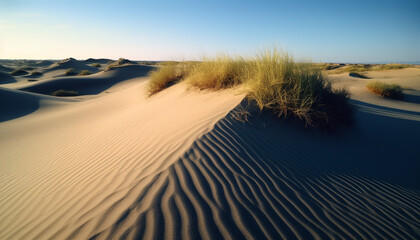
(71, 63)
(113, 163)
(6, 78)
(5, 69)
(92, 84)
(44, 63)
(97, 60)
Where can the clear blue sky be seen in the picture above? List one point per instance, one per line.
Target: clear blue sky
(328, 31)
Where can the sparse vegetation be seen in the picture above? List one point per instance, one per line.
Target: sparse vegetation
(296, 90)
(65, 93)
(357, 68)
(330, 66)
(393, 91)
(36, 73)
(148, 63)
(218, 73)
(358, 75)
(391, 66)
(117, 63)
(84, 73)
(274, 82)
(19, 71)
(71, 72)
(165, 76)
(96, 65)
(241, 114)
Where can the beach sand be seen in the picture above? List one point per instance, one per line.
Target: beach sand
(113, 163)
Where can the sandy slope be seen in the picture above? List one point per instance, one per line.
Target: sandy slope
(176, 166)
(75, 168)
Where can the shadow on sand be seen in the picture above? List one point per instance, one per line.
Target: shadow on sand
(270, 179)
(14, 104)
(87, 85)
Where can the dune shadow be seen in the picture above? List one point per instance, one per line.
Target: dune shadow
(270, 179)
(6, 78)
(386, 111)
(411, 95)
(90, 84)
(14, 104)
(381, 145)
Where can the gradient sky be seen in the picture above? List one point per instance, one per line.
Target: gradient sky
(323, 31)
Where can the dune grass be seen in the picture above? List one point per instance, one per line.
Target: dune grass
(71, 72)
(217, 73)
(84, 73)
(392, 66)
(65, 93)
(96, 65)
(358, 68)
(329, 66)
(274, 82)
(296, 90)
(119, 62)
(382, 89)
(167, 75)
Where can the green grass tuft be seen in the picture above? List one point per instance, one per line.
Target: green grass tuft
(164, 77)
(65, 93)
(119, 62)
(296, 90)
(357, 68)
(217, 73)
(393, 91)
(84, 73)
(71, 72)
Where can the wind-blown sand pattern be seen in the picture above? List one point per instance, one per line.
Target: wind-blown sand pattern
(177, 165)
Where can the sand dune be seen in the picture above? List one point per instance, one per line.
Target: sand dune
(92, 84)
(71, 63)
(243, 181)
(178, 165)
(15, 103)
(97, 60)
(96, 153)
(6, 78)
(5, 69)
(44, 63)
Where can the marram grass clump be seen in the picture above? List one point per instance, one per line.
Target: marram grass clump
(65, 93)
(164, 77)
(357, 68)
(84, 73)
(296, 90)
(119, 62)
(385, 90)
(71, 72)
(217, 73)
(274, 82)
